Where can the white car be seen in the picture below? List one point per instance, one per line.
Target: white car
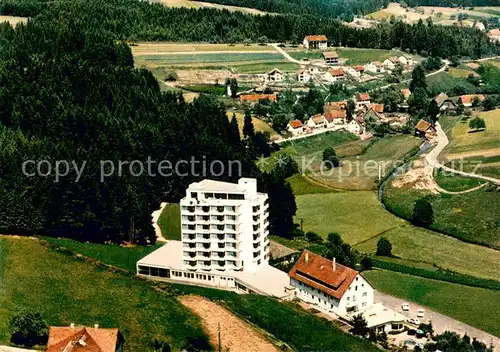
(415, 321)
(405, 307)
(420, 313)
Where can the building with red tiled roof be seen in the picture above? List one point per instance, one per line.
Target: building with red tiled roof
(331, 287)
(254, 98)
(334, 74)
(467, 100)
(335, 117)
(315, 42)
(335, 105)
(378, 108)
(84, 339)
(295, 127)
(494, 34)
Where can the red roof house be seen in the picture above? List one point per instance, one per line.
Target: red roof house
(84, 339)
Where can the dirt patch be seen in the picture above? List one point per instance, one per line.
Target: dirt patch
(418, 177)
(236, 335)
(13, 20)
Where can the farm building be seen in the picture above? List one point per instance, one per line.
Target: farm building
(315, 42)
(254, 98)
(390, 63)
(378, 108)
(334, 75)
(444, 102)
(331, 57)
(295, 127)
(275, 75)
(375, 67)
(468, 100)
(362, 100)
(335, 117)
(317, 121)
(424, 129)
(335, 105)
(494, 35)
(355, 127)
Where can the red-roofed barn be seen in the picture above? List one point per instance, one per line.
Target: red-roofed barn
(83, 339)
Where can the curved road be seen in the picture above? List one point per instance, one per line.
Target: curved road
(432, 158)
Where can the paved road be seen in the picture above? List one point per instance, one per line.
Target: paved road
(432, 158)
(440, 322)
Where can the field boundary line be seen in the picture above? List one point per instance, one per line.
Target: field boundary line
(378, 234)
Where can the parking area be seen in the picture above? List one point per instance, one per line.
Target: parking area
(439, 321)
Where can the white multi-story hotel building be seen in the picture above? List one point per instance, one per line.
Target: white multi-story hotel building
(224, 244)
(224, 226)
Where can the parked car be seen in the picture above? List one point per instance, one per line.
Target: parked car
(405, 307)
(415, 321)
(420, 313)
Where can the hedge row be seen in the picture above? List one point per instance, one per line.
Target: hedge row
(439, 274)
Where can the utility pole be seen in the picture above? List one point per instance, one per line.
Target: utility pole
(302, 224)
(220, 345)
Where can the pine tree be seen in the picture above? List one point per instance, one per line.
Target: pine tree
(248, 129)
(418, 79)
(423, 214)
(234, 131)
(433, 111)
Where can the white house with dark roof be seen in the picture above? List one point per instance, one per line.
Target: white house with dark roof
(275, 75)
(304, 76)
(315, 42)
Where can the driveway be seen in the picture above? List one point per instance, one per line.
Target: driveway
(440, 322)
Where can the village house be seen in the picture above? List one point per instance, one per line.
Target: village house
(444, 102)
(355, 127)
(331, 57)
(295, 127)
(315, 42)
(254, 98)
(304, 76)
(329, 286)
(335, 117)
(390, 63)
(480, 26)
(375, 67)
(469, 99)
(494, 35)
(316, 122)
(76, 338)
(275, 75)
(378, 108)
(405, 92)
(355, 72)
(334, 75)
(424, 129)
(335, 105)
(362, 100)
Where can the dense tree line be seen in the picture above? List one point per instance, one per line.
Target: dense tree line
(136, 20)
(68, 94)
(452, 3)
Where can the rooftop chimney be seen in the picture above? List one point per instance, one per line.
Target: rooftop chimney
(334, 264)
(306, 259)
(96, 326)
(72, 325)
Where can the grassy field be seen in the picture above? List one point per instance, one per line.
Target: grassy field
(361, 221)
(13, 20)
(475, 306)
(258, 124)
(210, 58)
(445, 82)
(283, 320)
(200, 4)
(462, 141)
(459, 72)
(486, 166)
(302, 185)
(353, 56)
(66, 291)
(170, 222)
(361, 172)
(454, 183)
(164, 48)
(107, 253)
(470, 216)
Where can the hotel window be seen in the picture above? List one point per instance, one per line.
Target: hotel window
(364, 294)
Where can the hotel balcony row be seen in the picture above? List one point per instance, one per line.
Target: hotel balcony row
(207, 228)
(209, 238)
(208, 246)
(210, 219)
(206, 209)
(219, 255)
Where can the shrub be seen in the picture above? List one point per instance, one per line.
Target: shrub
(171, 76)
(313, 237)
(28, 329)
(477, 123)
(423, 214)
(384, 247)
(330, 158)
(366, 263)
